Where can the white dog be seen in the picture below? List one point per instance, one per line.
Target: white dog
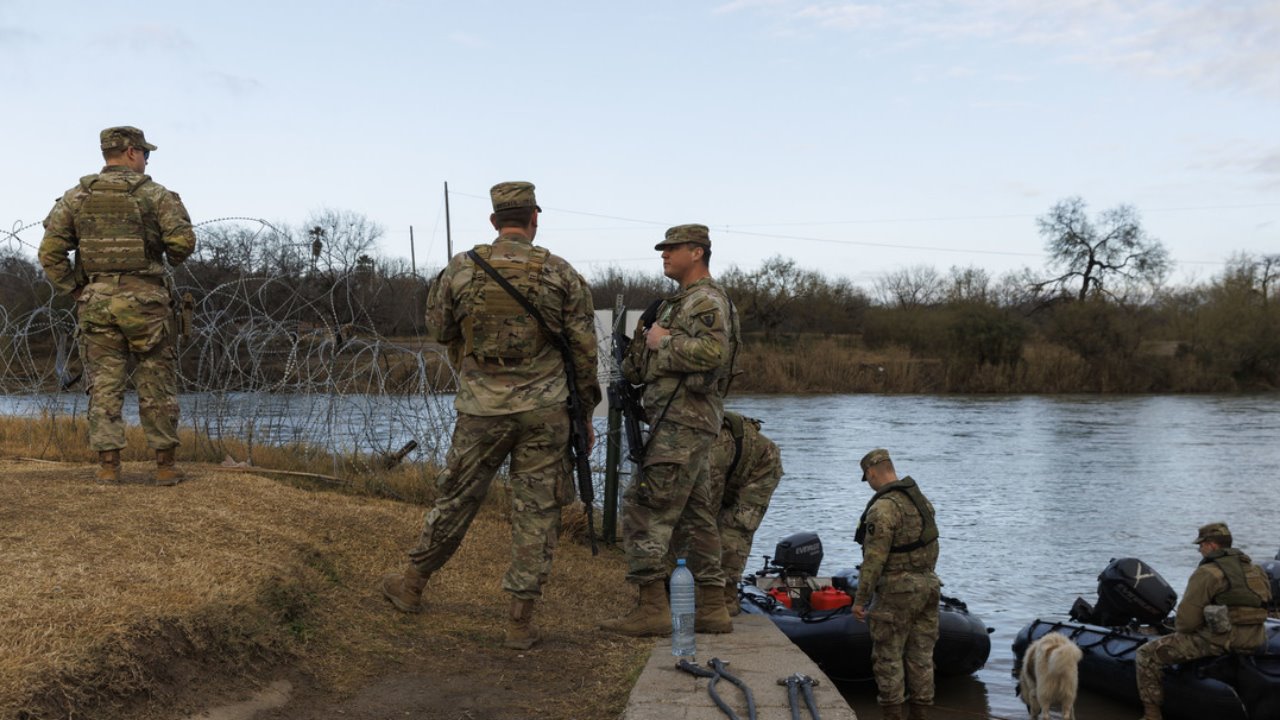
(1050, 676)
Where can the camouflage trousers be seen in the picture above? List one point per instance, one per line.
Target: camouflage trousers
(672, 489)
(742, 503)
(1154, 656)
(128, 317)
(537, 442)
(904, 628)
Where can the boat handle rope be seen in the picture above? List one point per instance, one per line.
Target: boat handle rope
(794, 684)
(719, 666)
(1111, 634)
(716, 672)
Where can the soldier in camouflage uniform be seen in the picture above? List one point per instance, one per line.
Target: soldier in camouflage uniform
(511, 402)
(122, 225)
(685, 362)
(745, 468)
(899, 539)
(1226, 586)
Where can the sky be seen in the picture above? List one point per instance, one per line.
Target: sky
(855, 138)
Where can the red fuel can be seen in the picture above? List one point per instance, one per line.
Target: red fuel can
(829, 598)
(780, 594)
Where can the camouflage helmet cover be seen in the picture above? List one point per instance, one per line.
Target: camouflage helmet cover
(681, 234)
(1212, 531)
(513, 195)
(875, 457)
(124, 137)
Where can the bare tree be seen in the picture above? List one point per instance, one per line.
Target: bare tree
(340, 237)
(766, 296)
(913, 286)
(968, 284)
(1114, 249)
(1257, 274)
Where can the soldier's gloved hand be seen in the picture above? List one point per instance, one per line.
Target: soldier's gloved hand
(653, 336)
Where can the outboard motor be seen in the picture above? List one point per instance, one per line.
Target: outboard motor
(1129, 590)
(795, 561)
(799, 554)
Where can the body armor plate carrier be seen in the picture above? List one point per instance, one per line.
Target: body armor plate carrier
(109, 225)
(496, 326)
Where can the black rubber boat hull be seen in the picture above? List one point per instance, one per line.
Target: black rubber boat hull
(841, 645)
(1193, 691)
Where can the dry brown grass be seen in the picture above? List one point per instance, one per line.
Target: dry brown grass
(111, 589)
(64, 438)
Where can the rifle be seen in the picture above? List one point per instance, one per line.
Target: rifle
(627, 396)
(579, 449)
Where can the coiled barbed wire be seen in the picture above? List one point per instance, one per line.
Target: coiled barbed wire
(294, 358)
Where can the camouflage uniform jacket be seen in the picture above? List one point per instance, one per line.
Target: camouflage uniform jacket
(1208, 585)
(490, 388)
(749, 483)
(688, 374)
(891, 520)
(166, 222)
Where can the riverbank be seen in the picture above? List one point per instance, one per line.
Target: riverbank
(130, 601)
(834, 364)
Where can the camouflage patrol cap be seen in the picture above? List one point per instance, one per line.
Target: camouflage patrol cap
(1213, 531)
(513, 195)
(874, 457)
(681, 234)
(123, 138)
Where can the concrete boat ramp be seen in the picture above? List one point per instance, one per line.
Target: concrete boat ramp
(756, 652)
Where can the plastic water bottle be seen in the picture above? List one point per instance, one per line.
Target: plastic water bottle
(683, 643)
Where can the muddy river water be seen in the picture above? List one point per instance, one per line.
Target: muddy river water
(1034, 496)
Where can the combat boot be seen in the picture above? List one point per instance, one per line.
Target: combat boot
(521, 634)
(731, 598)
(651, 617)
(108, 466)
(893, 712)
(167, 473)
(1151, 712)
(917, 712)
(405, 591)
(711, 617)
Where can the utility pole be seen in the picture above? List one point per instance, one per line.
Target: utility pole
(448, 233)
(413, 254)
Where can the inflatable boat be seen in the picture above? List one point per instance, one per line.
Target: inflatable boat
(815, 613)
(1133, 608)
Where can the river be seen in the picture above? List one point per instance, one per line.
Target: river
(1034, 495)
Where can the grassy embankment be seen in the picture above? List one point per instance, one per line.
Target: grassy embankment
(141, 602)
(842, 364)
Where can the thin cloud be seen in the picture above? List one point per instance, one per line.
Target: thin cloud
(740, 5)
(847, 16)
(10, 35)
(468, 40)
(236, 85)
(160, 38)
(1209, 44)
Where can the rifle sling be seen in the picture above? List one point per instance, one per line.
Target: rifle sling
(556, 339)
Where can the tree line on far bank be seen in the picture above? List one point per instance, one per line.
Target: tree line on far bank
(1097, 318)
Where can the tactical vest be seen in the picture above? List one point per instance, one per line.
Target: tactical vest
(929, 529)
(496, 327)
(109, 225)
(1241, 597)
